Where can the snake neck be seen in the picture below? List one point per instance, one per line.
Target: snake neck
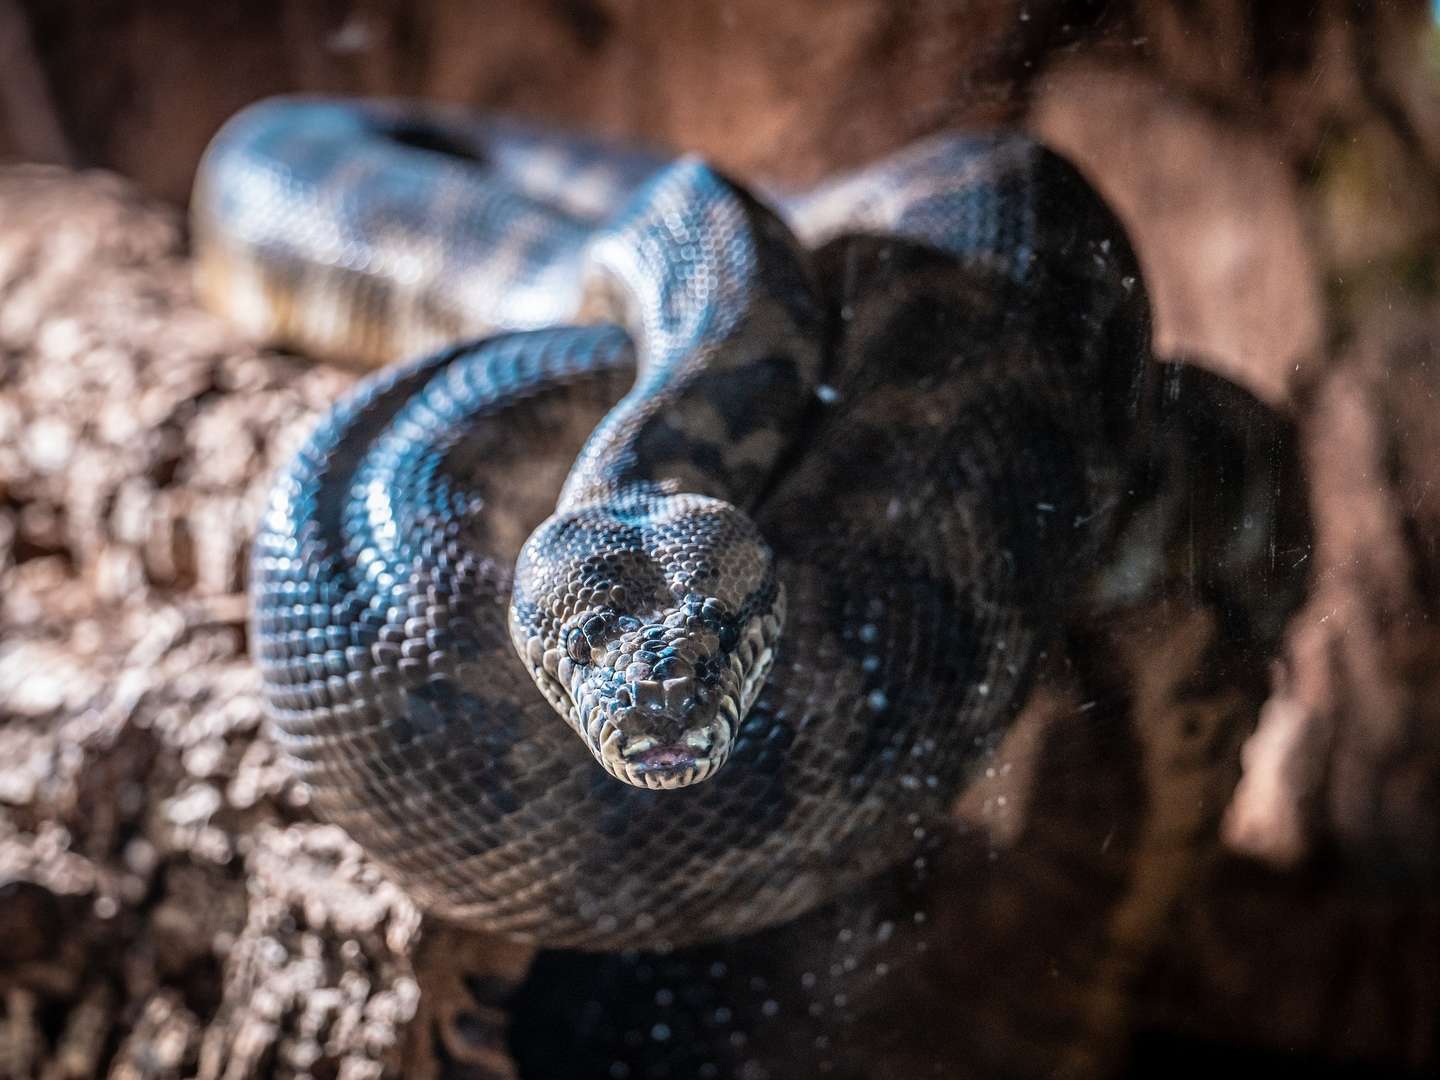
(721, 301)
(648, 606)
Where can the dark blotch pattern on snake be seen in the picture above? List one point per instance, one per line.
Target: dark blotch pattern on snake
(774, 502)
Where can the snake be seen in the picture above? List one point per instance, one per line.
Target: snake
(710, 545)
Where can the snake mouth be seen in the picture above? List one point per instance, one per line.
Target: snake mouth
(647, 741)
(661, 707)
(636, 749)
(667, 766)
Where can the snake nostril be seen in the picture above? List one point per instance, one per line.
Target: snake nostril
(679, 694)
(673, 667)
(648, 694)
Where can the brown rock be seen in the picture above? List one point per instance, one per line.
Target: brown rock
(1213, 212)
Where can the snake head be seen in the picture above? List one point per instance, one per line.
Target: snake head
(651, 627)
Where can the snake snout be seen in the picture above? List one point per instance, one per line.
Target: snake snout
(675, 733)
(651, 630)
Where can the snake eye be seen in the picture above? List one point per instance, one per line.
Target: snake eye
(577, 647)
(729, 636)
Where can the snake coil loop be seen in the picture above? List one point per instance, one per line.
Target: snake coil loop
(778, 533)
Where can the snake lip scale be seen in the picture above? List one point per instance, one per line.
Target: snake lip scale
(707, 549)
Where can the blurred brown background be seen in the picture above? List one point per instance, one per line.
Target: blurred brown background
(1199, 109)
(1240, 866)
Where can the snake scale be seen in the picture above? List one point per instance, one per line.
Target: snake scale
(711, 545)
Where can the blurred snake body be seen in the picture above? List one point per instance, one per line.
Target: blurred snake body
(711, 544)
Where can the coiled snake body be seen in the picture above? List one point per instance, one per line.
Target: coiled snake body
(799, 572)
